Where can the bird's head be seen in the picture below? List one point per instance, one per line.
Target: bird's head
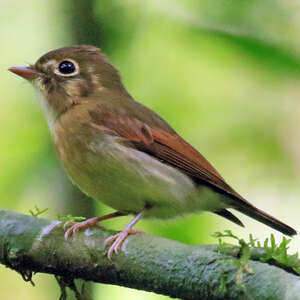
(67, 76)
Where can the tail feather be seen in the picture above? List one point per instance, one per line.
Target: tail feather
(265, 218)
(229, 216)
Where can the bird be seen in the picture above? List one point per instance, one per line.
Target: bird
(121, 153)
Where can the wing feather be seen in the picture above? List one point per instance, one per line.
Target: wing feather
(166, 146)
(173, 150)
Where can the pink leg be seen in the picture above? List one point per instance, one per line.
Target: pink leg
(120, 237)
(92, 222)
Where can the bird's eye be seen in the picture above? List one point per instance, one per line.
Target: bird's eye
(67, 68)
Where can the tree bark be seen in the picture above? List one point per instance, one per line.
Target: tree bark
(30, 244)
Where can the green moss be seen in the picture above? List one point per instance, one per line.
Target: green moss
(243, 254)
(36, 211)
(268, 252)
(70, 218)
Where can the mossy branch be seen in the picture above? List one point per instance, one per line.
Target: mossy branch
(28, 244)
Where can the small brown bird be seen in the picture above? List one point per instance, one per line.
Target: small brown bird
(120, 152)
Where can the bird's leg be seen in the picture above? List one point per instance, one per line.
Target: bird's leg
(118, 239)
(92, 222)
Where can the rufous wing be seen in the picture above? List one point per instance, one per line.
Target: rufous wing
(173, 150)
(165, 146)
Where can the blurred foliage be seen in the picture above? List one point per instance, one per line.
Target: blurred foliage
(224, 73)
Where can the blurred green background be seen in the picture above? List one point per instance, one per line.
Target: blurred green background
(225, 74)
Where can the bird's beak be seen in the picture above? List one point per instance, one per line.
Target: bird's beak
(24, 72)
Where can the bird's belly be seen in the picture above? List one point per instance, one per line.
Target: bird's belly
(129, 180)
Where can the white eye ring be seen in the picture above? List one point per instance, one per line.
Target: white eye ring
(67, 68)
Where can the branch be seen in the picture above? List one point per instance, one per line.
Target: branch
(27, 244)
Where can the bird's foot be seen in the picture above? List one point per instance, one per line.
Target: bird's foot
(76, 226)
(118, 239)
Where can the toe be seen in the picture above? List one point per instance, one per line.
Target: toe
(76, 226)
(110, 239)
(68, 233)
(72, 230)
(109, 253)
(117, 240)
(68, 224)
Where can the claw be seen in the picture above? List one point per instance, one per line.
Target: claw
(75, 227)
(92, 222)
(68, 224)
(118, 239)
